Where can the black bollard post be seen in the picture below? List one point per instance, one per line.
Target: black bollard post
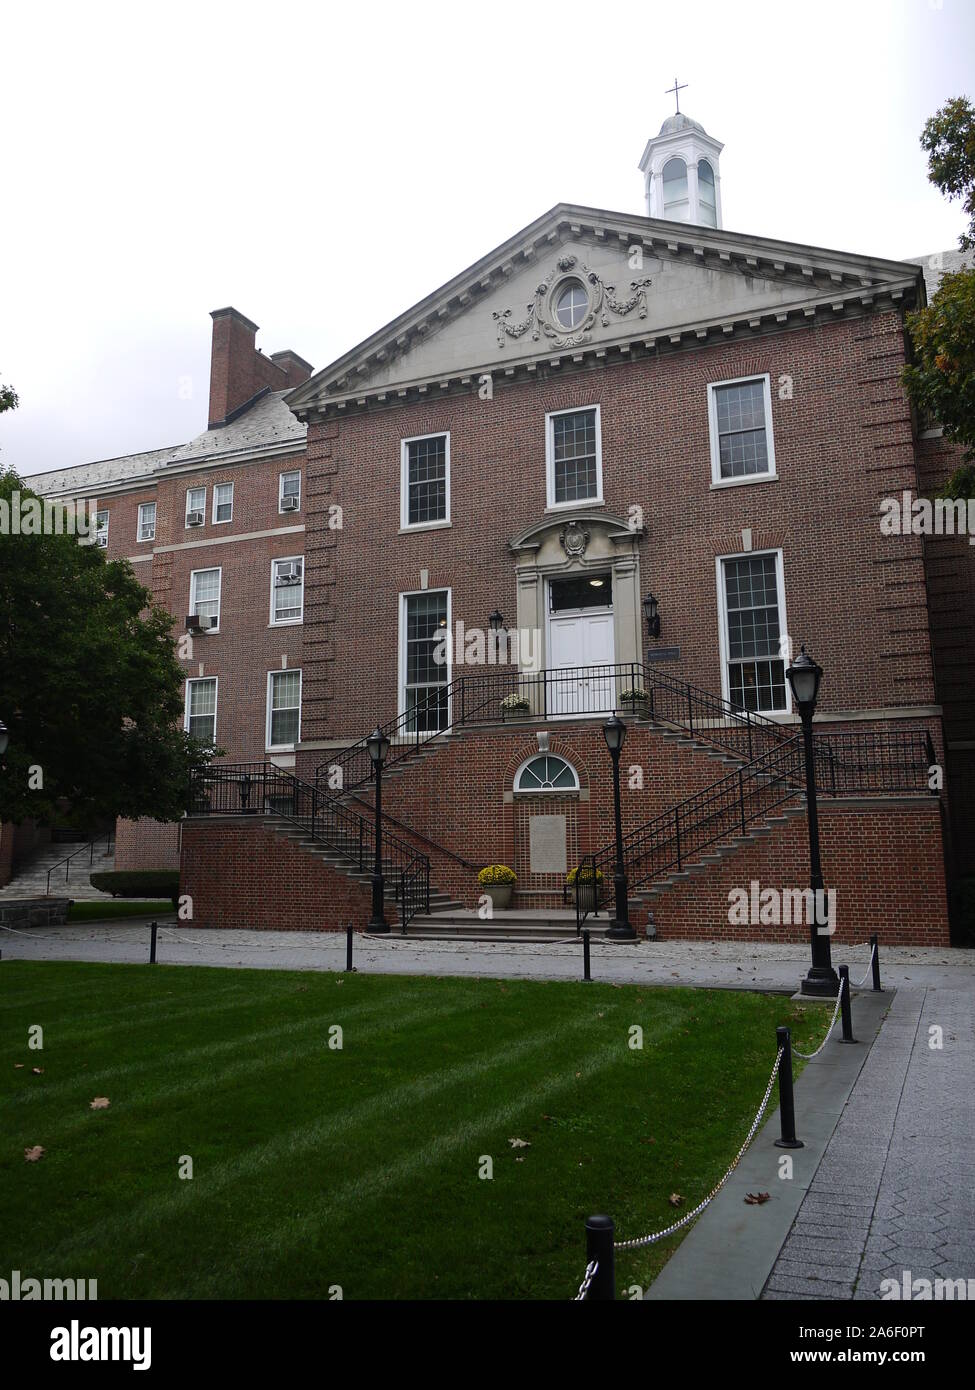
(152, 944)
(846, 1010)
(787, 1108)
(599, 1248)
(348, 948)
(875, 961)
(586, 972)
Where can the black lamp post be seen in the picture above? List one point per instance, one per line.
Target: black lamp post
(378, 745)
(614, 732)
(804, 677)
(4, 738)
(650, 607)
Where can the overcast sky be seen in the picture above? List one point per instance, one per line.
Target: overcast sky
(322, 171)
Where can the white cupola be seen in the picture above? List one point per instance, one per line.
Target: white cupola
(681, 173)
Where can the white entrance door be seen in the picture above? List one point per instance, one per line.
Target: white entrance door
(580, 647)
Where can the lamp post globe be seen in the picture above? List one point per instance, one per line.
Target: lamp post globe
(804, 676)
(614, 732)
(4, 738)
(378, 745)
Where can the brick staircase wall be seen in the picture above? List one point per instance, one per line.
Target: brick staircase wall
(884, 858)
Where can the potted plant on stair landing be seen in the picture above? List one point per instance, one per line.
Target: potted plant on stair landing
(497, 881)
(637, 700)
(514, 707)
(583, 883)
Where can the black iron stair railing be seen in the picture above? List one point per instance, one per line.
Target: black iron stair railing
(870, 763)
(242, 789)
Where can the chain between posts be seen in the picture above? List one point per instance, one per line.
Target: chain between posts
(677, 1225)
(808, 1056)
(873, 952)
(587, 1279)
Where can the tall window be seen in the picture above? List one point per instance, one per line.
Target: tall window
(677, 207)
(147, 521)
(223, 502)
(741, 430)
(426, 480)
(201, 710)
(574, 454)
(287, 590)
(283, 708)
(425, 685)
(289, 491)
(205, 596)
(707, 204)
(754, 623)
(101, 530)
(196, 506)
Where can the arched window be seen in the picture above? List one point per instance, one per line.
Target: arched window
(546, 773)
(676, 204)
(707, 204)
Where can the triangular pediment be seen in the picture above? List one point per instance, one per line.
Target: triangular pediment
(639, 284)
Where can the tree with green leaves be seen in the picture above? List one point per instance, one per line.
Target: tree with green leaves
(940, 380)
(90, 683)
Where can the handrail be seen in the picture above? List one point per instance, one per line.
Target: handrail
(108, 837)
(263, 788)
(879, 762)
(634, 687)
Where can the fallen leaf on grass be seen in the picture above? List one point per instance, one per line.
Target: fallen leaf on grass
(756, 1199)
(18, 1066)
(675, 1199)
(100, 1103)
(38, 1071)
(520, 1143)
(32, 1155)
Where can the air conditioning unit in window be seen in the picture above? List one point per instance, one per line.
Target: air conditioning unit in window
(102, 541)
(196, 623)
(289, 504)
(289, 574)
(194, 518)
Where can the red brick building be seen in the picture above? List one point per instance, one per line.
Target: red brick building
(604, 408)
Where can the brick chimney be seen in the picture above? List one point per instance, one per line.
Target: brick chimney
(239, 372)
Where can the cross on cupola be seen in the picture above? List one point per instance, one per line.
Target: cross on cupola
(677, 88)
(680, 168)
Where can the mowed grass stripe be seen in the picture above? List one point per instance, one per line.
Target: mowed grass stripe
(291, 1146)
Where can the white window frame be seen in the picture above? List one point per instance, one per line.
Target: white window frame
(195, 680)
(401, 663)
(270, 747)
(776, 714)
(770, 473)
(545, 791)
(216, 493)
(140, 538)
(404, 483)
(99, 533)
(287, 622)
(576, 502)
(191, 610)
(289, 473)
(203, 509)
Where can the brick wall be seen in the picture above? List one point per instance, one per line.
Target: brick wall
(884, 861)
(146, 844)
(241, 874)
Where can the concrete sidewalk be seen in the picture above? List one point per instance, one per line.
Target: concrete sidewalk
(714, 965)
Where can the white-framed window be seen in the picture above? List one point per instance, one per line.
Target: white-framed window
(201, 710)
(223, 503)
(147, 522)
(287, 590)
(425, 659)
(205, 597)
(707, 206)
(546, 772)
(425, 481)
(196, 506)
(283, 709)
(289, 491)
(740, 419)
(677, 204)
(574, 456)
(101, 529)
(753, 631)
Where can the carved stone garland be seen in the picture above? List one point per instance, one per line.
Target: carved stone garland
(541, 315)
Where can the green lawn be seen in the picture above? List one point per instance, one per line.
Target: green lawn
(95, 910)
(315, 1167)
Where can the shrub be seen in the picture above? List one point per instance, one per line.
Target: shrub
(587, 874)
(515, 704)
(635, 696)
(496, 874)
(139, 883)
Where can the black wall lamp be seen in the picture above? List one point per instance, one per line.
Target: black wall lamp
(653, 617)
